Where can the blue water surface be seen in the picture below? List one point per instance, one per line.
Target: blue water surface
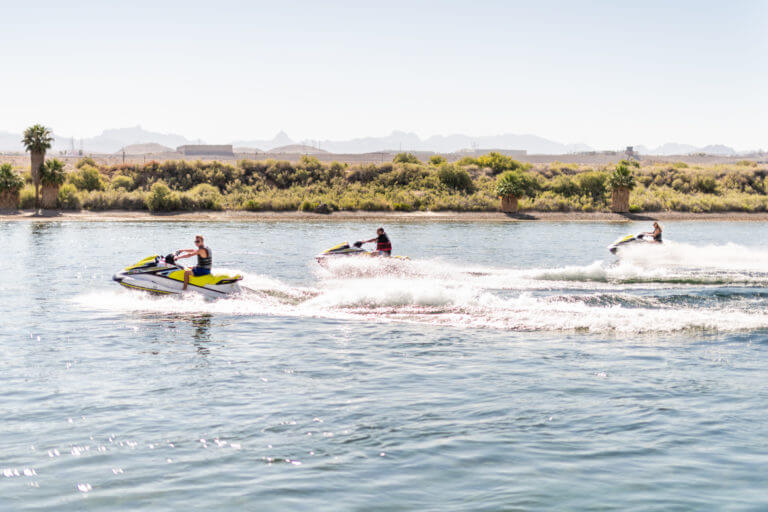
(506, 366)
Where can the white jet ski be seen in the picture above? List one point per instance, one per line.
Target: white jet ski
(345, 250)
(161, 275)
(640, 238)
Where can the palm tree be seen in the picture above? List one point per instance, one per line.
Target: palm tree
(10, 184)
(37, 140)
(622, 181)
(51, 177)
(511, 186)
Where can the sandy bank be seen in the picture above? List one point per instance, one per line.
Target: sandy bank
(241, 216)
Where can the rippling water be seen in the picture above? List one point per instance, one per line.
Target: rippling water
(515, 366)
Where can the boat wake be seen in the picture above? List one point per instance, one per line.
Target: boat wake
(659, 289)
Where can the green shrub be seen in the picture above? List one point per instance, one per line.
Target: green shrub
(363, 174)
(564, 186)
(307, 206)
(27, 197)
(437, 160)
(705, 184)
(68, 198)
(466, 160)
(401, 207)
(406, 158)
(252, 205)
(162, 199)
(87, 178)
(203, 196)
(120, 182)
(499, 163)
(10, 180)
(113, 200)
(593, 184)
(455, 178)
(85, 161)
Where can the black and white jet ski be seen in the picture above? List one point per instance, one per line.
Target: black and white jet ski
(640, 238)
(346, 250)
(161, 275)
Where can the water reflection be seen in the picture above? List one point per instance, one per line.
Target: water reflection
(202, 333)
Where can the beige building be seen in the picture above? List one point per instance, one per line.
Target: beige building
(207, 150)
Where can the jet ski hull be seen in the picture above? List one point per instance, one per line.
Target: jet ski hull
(346, 251)
(149, 275)
(640, 238)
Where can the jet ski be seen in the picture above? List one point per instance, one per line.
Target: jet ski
(161, 275)
(345, 250)
(640, 238)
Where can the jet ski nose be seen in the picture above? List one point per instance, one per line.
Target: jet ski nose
(118, 277)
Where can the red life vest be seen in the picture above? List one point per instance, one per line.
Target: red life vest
(382, 244)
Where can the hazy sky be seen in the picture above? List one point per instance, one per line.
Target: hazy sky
(604, 73)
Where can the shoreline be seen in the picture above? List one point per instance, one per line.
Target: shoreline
(442, 216)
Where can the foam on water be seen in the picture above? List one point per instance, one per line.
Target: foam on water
(628, 296)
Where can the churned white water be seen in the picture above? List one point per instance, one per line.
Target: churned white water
(628, 294)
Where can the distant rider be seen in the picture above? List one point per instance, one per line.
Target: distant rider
(204, 260)
(656, 233)
(383, 246)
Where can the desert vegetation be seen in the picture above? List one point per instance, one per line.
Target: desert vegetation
(406, 184)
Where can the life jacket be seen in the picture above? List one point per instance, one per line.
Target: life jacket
(206, 262)
(382, 244)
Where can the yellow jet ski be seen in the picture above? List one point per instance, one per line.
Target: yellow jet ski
(640, 238)
(161, 275)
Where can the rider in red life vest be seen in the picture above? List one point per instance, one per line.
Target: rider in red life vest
(383, 245)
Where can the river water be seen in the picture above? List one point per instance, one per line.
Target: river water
(514, 366)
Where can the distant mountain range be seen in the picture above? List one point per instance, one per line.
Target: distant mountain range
(112, 141)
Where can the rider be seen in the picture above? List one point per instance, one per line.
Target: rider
(656, 233)
(383, 245)
(204, 260)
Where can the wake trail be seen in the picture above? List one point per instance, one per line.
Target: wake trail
(670, 288)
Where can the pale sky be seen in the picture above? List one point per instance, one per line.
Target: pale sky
(604, 73)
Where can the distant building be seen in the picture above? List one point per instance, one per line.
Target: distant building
(207, 150)
(506, 152)
(630, 153)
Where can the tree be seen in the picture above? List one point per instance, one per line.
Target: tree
(437, 160)
(622, 180)
(511, 186)
(10, 184)
(499, 163)
(37, 140)
(593, 184)
(456, 178)
(405, 158)
(51, 177)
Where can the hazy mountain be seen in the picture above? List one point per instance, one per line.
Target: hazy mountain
(673, 148)
(111, 141)
(718, 149)
(144, 149)
(281, 139)
(297, 148)
(10, 142)
(404, 141)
